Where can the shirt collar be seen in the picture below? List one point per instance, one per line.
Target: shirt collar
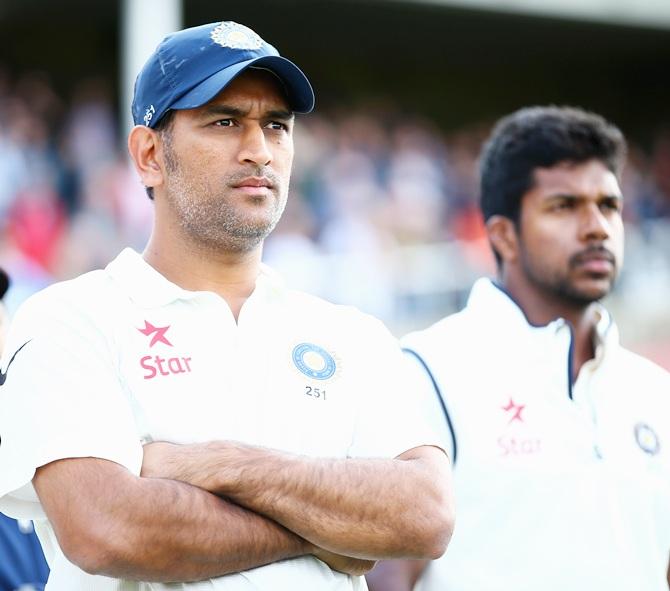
(498, 307)
(147, 288)
(606, 334)
(494, 303)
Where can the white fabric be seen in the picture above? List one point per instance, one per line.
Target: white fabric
(562, 496)
(100, 371)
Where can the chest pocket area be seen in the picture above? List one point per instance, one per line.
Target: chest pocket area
(309, 409)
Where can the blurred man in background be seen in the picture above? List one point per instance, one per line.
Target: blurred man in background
(560, 437)
(22, 564)
(279, 473)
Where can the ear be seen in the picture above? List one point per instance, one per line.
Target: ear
(143, 146)
(503, 237)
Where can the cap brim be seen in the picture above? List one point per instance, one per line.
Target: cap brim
(298, 89)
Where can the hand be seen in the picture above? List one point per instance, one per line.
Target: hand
(344, 564)
(161, 460)
(198, 464)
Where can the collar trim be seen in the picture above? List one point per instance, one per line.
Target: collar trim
(147, 288)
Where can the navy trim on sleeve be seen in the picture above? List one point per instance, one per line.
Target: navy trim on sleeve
(571, 349)
(441, 400)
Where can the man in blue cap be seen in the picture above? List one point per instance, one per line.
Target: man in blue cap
(181, 416)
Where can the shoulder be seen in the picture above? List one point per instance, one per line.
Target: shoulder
(75, 310)
(449, 332)
(640, 369)
(75, 297)
(336, 318)
(637, 384)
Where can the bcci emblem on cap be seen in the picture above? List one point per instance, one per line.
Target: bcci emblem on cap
(235, 36)
(314, 361)
(190, 67)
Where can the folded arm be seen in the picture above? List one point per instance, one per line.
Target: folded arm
(365, 508)
(110, 522)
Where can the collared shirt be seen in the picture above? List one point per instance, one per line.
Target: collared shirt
(558, 486)
(122, 355)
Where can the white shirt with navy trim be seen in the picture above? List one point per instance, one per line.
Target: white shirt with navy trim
(121, 355)
(557, 486)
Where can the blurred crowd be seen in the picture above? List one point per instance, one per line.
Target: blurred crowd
(367, 181)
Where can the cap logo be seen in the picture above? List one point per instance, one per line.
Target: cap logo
(234, 36)
(149, 114)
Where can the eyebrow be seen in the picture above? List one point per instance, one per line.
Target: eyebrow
(219, 109)
(580, 197)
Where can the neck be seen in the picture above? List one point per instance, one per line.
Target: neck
(230, 274)
(542, 308)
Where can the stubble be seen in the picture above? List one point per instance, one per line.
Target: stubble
(211, 216)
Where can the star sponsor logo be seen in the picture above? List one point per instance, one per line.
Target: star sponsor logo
(512, 443)
(514, 411)
(157, 333)
(155, 366)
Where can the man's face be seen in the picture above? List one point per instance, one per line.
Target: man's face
(571, 232)
(228, 164)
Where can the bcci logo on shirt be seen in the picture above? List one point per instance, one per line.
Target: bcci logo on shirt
(314, 361)
(647, 439)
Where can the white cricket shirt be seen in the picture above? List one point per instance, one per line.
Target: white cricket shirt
(558, 487)
(122, 354)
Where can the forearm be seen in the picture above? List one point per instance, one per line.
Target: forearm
(155, 529)
(367, 508)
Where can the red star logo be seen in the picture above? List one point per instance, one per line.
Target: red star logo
(515, 409)
(157, 331)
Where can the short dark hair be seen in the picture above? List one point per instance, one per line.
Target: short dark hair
(541, 137)
(164, 127)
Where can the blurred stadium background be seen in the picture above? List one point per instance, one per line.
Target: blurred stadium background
(383, 209)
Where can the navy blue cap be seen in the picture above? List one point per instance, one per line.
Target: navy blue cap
(190, 67)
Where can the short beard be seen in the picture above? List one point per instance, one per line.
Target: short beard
(558, 286)
(210, 221)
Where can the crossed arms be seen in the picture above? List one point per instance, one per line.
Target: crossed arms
(204, 510)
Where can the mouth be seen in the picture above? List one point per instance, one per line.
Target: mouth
(596, 262)
(253, 183)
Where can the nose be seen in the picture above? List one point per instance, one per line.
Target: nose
(594, 224)
(254, 147)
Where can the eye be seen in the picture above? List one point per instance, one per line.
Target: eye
(563, 205)
(277, 125)
(613, 205)
(223, 123)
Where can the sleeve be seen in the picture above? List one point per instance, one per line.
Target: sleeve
(61, 398)
(427, 401)
(389, 420)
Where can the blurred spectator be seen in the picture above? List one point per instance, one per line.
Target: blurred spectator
(22, 564)
(367, 181)
(36, 222)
